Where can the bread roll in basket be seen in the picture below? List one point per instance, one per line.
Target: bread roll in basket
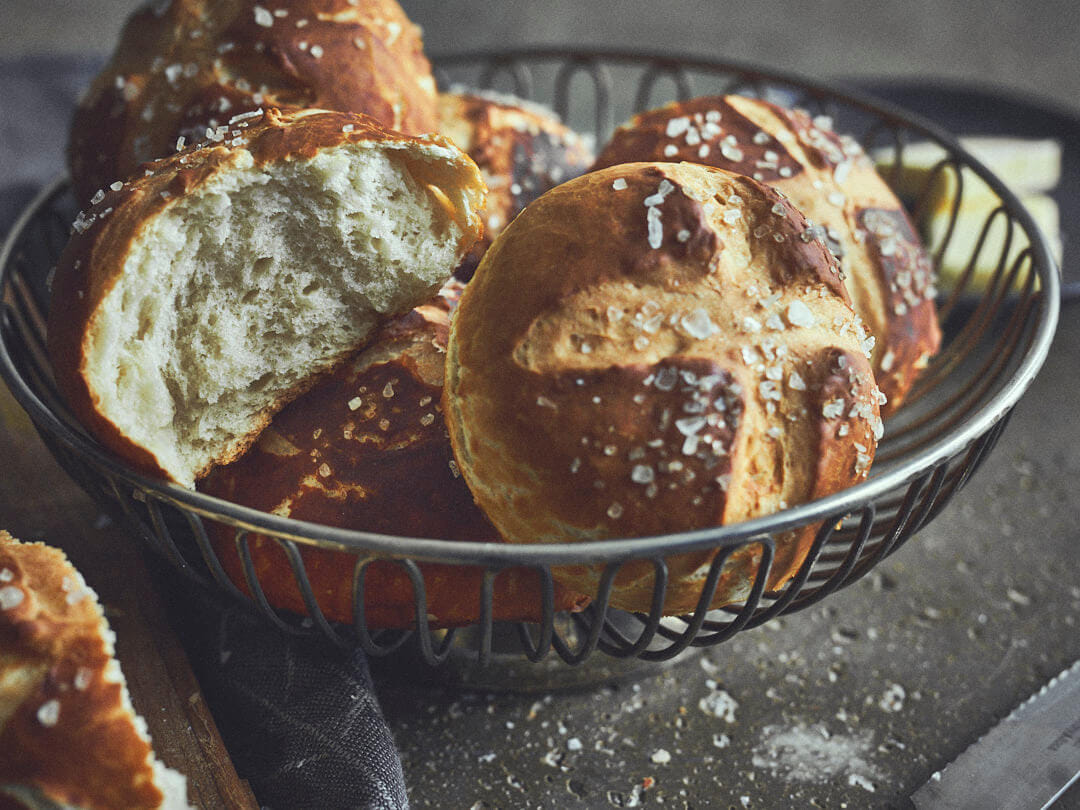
(831, 180)
(197, 299)
(654, 348)
(184, 67)
(522, 149)
(367, 449)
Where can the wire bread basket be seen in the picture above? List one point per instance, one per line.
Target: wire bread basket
(997, 333)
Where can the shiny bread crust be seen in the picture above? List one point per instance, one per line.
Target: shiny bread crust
(366, 449)
(522, 149)
(104, 234)
(831, 180)
(186, 65)
(654, 348)
(67, 730)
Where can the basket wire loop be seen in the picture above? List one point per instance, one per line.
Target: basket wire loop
(589, 622)
(161, 532)
(602, 88)
(311, 604)
(897, 143)
(242, 540)
(963, 280)
(929, 499)
(615, 643)
(699, 620)
(210, 558)
(134, 520)
(487, 610)
(839, 576)
(360, 624)
(658, 69)
(519, 74)
(795, 584)
(534, 651)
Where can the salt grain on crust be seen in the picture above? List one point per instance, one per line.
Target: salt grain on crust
(11, 597)
(49, 713)
(263, 17)
(798, 314)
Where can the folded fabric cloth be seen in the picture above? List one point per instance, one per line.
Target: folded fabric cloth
(300, 719)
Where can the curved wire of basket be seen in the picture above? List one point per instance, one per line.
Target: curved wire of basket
(997, 327)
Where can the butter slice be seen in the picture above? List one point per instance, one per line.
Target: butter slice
(1028, 167)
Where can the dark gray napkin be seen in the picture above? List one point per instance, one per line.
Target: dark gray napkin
(300, 719)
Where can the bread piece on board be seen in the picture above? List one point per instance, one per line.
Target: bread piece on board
(194, 301)
(186, 65)
(654, 348)
(68, 733)
(830, 179)
(367, 449)
(521, 147)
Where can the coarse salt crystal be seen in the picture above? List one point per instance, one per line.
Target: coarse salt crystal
(656, 228)
(49, 713)
(677, 126)
(619, 183)
(263, 17)
(83, 678)
(833, 408)
(798, 314)
(11, 597)
(698, 324)
(690, 425)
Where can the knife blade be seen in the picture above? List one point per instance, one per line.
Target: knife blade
(1026, 761)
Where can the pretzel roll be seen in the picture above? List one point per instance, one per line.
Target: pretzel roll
(367, 449)
(68, 733)
(522, 149)
(187, 65)
(831, 180)
(654, 348)
(194, 301)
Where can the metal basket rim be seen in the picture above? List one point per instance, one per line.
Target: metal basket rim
(903, 471)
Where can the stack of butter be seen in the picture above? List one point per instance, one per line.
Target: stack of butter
(1030, 168)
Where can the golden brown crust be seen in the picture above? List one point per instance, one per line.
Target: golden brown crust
(522, 150)
(834, 184)
(191, 64)
(104, 234)
(367, 449)
(654, 348)
(65, 726)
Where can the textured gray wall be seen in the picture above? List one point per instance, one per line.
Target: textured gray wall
(1021, 44)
